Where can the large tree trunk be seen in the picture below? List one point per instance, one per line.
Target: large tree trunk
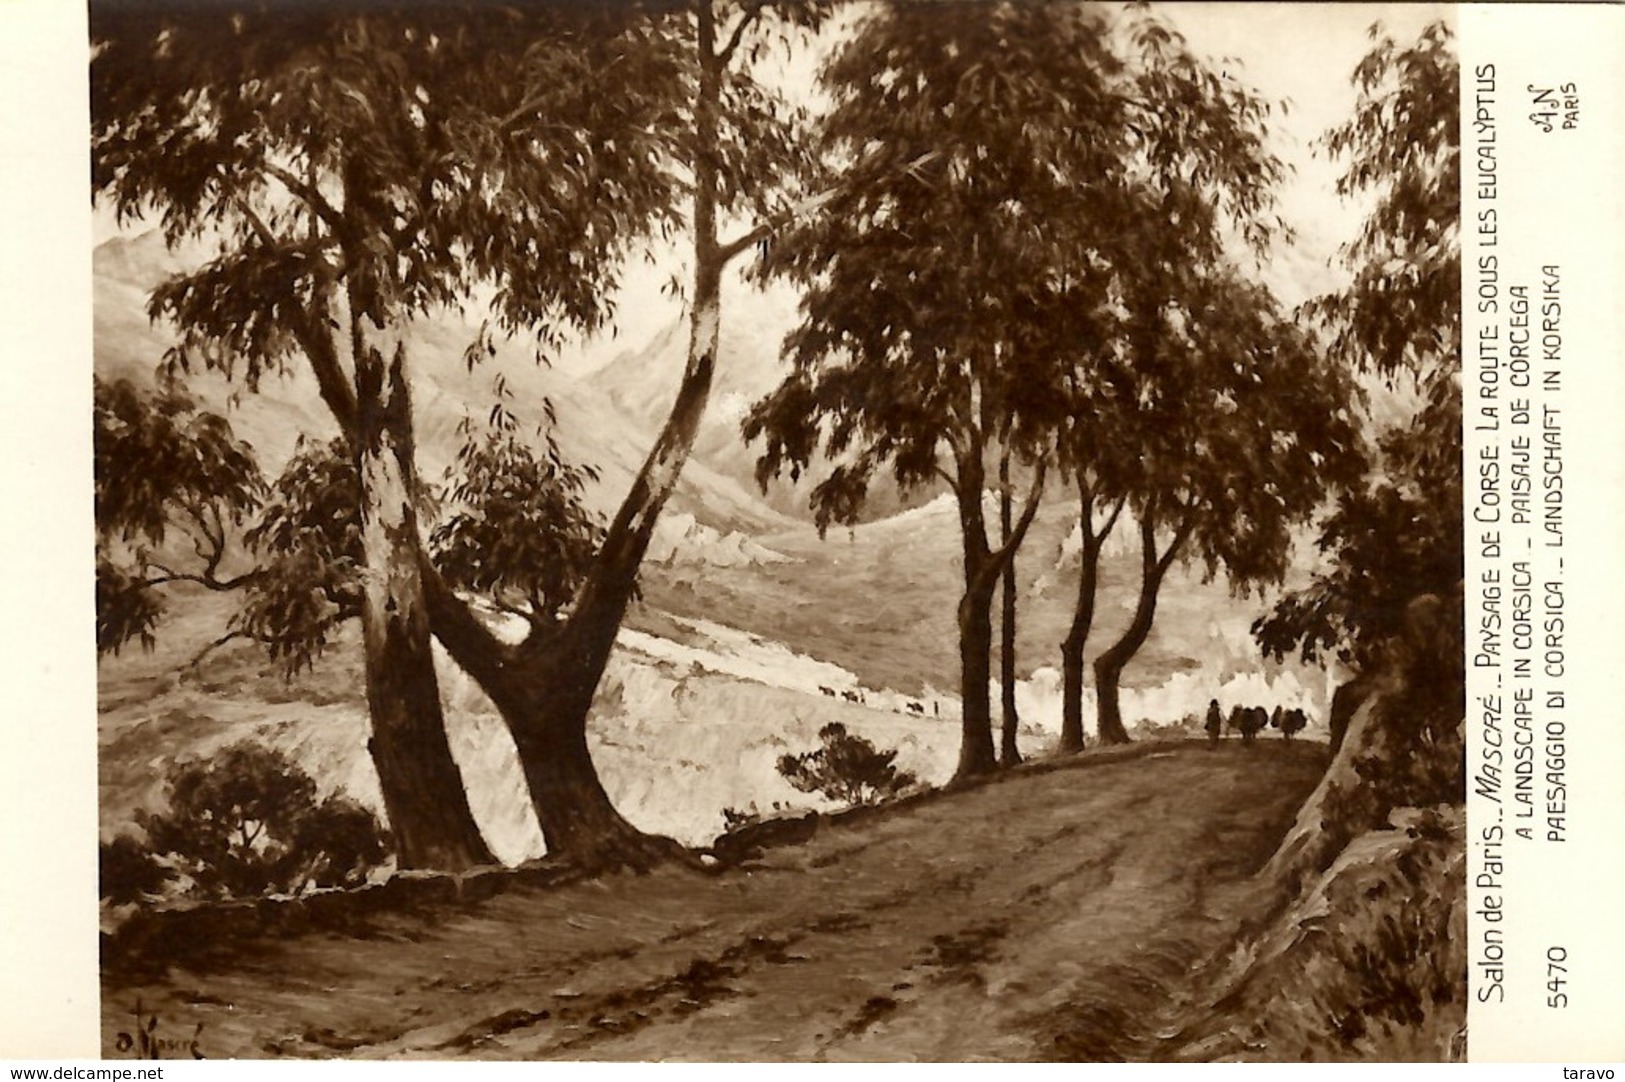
(544, 688)
(545, 704)
(1077, 636)
(423, 791)
(975, 612)
(975, 657)
(1009, 753)
(1110, 664)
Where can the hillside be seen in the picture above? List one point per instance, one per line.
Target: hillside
(1053, 914)
(594, 428)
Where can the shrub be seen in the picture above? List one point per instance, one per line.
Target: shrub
(247, 822)
(128, 871)
(847, 768)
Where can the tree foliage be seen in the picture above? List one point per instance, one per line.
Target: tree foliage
(162, 467)
(409, 151)
(248, 821)
(1240, 431)
(517, 531)
(308, 541)
(1397, 535)
(971, 142)
(846, 768)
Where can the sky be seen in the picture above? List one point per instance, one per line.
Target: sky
(1304, 53)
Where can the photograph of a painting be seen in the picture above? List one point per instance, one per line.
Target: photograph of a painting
(808, 531)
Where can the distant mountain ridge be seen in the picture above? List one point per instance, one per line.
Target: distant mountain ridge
(600, 423)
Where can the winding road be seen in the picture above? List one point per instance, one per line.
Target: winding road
(1054, 913)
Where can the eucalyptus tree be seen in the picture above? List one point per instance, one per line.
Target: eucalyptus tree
(969, 141)
(369, 164)
(1236, 436)
(1396, 535)
(358, 166)
(734, 143)
(1199, 187)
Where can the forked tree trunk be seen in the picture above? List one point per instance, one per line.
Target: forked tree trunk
(424, 797)
(1083, 619)
(975, 613)
(1110, 664)
(544, 688)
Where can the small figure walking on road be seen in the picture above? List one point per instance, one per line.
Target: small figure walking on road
(1215, 723)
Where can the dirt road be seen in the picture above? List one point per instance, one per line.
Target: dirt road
(1052, 914)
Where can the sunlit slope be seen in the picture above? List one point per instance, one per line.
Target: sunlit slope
(880, 600)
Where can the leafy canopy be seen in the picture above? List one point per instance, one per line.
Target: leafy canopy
(973, 146)
(517, 530)
(408, 151)
(1397, 535)
(161, 464)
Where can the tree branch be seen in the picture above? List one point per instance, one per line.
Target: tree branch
(335, 387)
(309, 328)
(166, 576)
(197, 659)
(1001, 555)
(1187, 522)
(267, 237)
(1111, 520)
(470, 643)
(749, 16)
(309, 193)
(729, 249)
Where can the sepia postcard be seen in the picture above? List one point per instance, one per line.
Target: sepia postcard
(900, 531)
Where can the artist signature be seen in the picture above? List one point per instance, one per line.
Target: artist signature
(147, 1043)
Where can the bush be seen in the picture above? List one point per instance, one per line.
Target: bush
(129, 873)
(847, 768)
(247, 822)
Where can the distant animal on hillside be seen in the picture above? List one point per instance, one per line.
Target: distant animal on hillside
(822, 690)
(916, 708)
(852, 696)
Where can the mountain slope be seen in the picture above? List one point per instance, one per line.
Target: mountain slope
(593, 429)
